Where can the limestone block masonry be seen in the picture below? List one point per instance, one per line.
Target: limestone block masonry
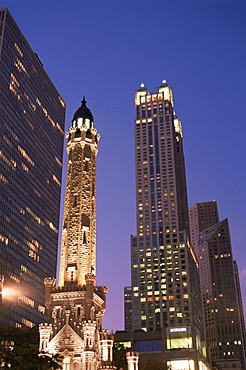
(76, 305)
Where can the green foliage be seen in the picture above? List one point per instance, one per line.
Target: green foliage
(46, 362)
(19, 335)
(24, 355)
(154, 365)
(119, 355)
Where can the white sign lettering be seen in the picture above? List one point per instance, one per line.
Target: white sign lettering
(178, 330)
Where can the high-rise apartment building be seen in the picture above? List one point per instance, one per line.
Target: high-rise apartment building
(164, 276)
(32, 117)
(201, 217)
(222, 303)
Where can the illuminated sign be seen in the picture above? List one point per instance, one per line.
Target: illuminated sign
(178, 330)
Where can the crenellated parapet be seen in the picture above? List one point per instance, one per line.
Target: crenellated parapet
(132, 360)
(45, 331)
(106, 344)
(89, 330)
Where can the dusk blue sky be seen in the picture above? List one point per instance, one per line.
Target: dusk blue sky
(104, 50)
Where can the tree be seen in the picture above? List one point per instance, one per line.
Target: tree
(119, 355)
(8, 359)
(154, 365)
(46, 362)
(24, 355)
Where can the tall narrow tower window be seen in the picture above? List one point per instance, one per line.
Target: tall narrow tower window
(75, 200)
(78, 133)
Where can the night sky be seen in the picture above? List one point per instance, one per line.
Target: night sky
(104, 50)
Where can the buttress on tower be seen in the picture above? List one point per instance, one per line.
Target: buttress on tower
(77, 305)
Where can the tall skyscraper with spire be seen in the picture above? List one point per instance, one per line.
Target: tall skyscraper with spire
(77, 305)
(165, 290)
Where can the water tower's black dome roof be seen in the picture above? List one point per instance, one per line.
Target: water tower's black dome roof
(83, 112)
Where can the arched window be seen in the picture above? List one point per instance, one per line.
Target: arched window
(77, 133)
(88, 134)
(76, 366)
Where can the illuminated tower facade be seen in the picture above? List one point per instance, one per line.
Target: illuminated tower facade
(32, 115)
(201, 217)
(78, 250)
(220, 286)
(77, 305)
(164, 276)
(222, 302)
(164, 267)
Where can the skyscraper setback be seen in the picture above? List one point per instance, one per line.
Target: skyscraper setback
(32, 115)
(165, 290)
(220, 285)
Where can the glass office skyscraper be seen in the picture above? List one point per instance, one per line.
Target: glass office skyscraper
(32, 117)
(201, 217)
(220, 286)
(222, 305)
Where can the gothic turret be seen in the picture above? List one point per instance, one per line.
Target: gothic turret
(76, 305)
(78, 249)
